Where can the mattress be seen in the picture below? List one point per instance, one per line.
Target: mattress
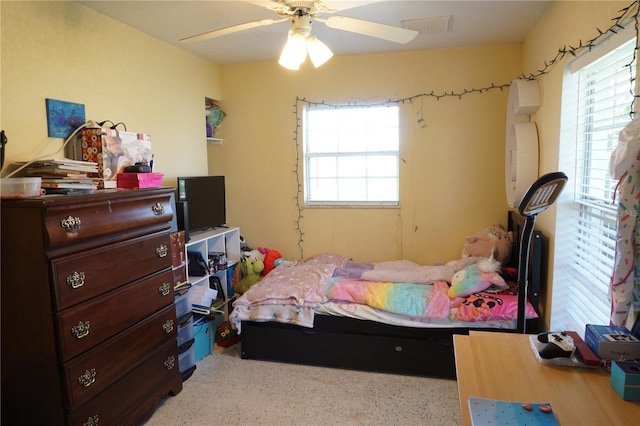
(296, 294)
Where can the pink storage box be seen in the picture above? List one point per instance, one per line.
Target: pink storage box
(139, 180)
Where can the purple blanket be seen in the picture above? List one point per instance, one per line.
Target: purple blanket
(402, 271)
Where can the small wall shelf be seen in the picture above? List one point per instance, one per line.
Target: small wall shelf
(214, 116)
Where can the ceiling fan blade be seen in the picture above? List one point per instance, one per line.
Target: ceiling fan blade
(373, 29)
(339, 5)
(232, 29)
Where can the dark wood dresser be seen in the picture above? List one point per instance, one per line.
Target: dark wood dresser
(88, 316)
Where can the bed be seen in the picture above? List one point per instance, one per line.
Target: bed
(311, 328)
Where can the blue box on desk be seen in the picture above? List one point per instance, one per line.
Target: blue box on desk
(625, 379)
(612, 343)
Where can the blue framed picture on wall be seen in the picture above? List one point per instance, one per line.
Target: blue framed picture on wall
(63, 117)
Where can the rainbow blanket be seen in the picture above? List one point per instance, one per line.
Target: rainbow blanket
(414, 300)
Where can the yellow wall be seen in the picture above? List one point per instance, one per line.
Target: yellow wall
(62, 50)
(565, 23)
(451, 173)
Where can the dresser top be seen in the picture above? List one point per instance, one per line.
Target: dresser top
(95, 196)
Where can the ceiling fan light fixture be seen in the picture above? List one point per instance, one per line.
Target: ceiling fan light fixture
(302, 14)
(294, 52)
(319, 53)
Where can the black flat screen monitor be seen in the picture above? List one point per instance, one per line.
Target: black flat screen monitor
(205, 201)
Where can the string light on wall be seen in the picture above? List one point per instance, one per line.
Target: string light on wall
(627, 16)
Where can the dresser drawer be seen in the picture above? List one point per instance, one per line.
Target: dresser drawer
(69, 224)
(81, 276)
(130, 391)
(86, 325)
(92, 372)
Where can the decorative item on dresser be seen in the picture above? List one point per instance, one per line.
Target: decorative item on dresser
(88, 316)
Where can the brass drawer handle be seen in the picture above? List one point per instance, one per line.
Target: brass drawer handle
(71, 224)
(168, 326)
(88, 378)
(162, 250)
(158, 209)
(76, 280)
(170, 362)
(81, 330)
(164, 289)
(92, 421)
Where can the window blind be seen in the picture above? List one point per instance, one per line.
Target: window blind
(603, 101)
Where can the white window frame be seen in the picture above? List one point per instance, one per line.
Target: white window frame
(360, 141)
(586, 216)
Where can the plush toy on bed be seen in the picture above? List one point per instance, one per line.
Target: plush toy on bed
(491, 241)
(252, 268)
(270, 259)
(475, 278)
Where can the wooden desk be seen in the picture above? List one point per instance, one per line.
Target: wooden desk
(503, 366)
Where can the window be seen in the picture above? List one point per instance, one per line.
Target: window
(596, 105)
(351, 155)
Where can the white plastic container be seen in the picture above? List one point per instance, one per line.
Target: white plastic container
(25, 187)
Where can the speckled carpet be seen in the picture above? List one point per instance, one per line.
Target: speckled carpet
(227, 390)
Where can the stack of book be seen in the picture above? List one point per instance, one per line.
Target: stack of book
(65, 175)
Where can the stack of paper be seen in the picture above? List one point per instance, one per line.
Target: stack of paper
(202, 296)
(65, 175)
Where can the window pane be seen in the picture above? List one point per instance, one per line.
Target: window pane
(323, 189)
(352, 190)
(352, 166)
(351, 154)
(324, 167)
(383, 139)
(352, 140)
(382, 166)
(383, 189)
(322, 140)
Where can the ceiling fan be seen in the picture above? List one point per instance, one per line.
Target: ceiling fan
(301, 14)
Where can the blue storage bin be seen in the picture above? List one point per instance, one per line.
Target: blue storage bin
(203, 338)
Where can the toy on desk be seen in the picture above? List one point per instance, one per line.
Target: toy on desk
(564, 348)
(556, 345)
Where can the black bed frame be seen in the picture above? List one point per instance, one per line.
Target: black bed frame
(341, 342)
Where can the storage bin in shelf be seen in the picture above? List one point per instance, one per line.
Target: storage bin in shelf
(183, 304)
(214, 141)
(202, 334)
(187, 362)
(185, 329)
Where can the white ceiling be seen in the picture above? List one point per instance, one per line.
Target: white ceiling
(474, 22)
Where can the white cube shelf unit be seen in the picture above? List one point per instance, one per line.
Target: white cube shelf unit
(218, 240)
